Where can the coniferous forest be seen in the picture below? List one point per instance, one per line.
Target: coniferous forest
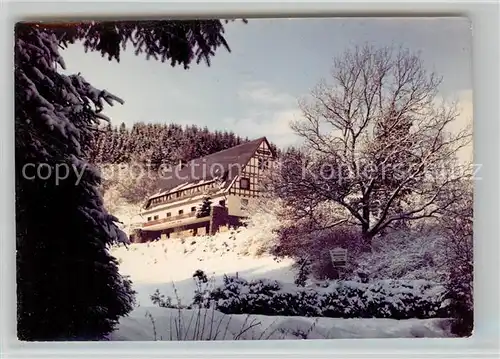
(156, 144)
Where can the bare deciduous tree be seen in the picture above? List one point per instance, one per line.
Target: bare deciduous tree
(378, 142)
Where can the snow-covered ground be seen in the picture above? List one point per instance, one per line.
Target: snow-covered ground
(169, 265)
(148, 324)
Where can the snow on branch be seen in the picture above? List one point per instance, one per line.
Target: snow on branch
(377, 142)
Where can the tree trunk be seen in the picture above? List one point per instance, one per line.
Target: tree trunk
(366, 237)
(365, 227)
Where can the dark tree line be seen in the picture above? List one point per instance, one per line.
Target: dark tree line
(157, 144)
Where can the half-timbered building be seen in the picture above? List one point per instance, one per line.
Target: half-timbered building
(229, 179)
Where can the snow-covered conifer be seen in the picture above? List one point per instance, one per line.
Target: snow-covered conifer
(68, 284)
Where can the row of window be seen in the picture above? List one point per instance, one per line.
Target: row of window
(181, 211)
(183, 193)
(169, 214)
(262, 151)
(244, 184)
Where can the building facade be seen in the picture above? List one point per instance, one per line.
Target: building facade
(230, 180)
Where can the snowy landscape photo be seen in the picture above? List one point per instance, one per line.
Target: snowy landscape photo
(248, 179)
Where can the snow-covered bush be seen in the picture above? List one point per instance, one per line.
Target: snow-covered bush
(261, 226)
(341, 299)
(405, 255)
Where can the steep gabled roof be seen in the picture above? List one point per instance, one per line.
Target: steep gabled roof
(224, 166)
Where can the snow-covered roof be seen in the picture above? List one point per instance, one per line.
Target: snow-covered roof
(223, 167)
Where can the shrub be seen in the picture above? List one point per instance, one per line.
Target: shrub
(161, 300)
(201, 294)
(341, 299)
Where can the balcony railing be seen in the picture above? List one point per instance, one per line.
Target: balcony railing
(183, 196)
(170, 219)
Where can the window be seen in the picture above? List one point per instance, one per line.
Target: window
(155, 218)
(222, 203)
(263, 164)
(149, 219)
(178, 194)
(245, 183)
(193, 209)
(244, 202)
(262, 151)
(169, 214)
(181, 211)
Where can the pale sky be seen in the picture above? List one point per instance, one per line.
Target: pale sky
(253, 90)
